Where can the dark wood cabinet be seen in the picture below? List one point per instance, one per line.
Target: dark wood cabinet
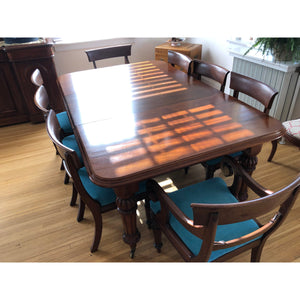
(12, 106)
(17, 62)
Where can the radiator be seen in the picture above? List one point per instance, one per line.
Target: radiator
(283, 78)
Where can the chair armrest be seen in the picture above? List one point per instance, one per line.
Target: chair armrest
(240, 173)
(155, 192)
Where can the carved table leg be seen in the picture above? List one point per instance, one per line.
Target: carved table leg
(248, 162)
(126, 204)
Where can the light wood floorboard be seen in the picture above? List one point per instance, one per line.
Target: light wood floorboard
(38, 225)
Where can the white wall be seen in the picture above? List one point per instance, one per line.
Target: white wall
(214, 50)
(71, 57)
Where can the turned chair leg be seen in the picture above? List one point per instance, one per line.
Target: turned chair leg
(147, 210)
(157, 236)
(74, 196)
(98, 230)
(56, 151)
(274, 148)
(80, 211)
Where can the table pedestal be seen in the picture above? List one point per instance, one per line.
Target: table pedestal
(126, 205)
(248, 162)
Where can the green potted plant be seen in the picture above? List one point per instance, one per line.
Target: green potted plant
(283, 49)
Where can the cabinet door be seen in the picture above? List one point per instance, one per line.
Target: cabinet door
(12, 106)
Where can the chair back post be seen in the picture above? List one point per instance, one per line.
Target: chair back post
(208, 238)
(109, 52)
(126, 60)
(56, 134)
(253, 88)
(211, 71)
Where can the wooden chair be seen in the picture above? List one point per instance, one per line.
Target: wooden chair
(206, 222)
(253, 88)
(180, 60)
(218, 74)
(211, 71)
(258, 90)
(98, 199)
(41, 101)
(109, 52)
(292, 135)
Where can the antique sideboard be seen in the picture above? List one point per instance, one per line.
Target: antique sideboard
(17, 62)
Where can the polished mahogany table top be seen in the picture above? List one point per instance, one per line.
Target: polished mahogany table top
(141, 120)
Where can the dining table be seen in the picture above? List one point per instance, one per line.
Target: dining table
(137, 121)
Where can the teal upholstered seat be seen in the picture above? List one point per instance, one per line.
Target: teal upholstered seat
(212, 191)
(103, 195)
(70, 142)
(106, 197)
(218, 160)
(64, 122)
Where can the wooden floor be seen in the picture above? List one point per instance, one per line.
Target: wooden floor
(38, 225)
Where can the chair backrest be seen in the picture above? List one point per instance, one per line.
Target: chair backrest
(241, 211)
(41, 100)
(70, 158)
(211, 71)
(253, 88)
(180, 60)
(36, 78)
(109, 52)
(212, 215)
